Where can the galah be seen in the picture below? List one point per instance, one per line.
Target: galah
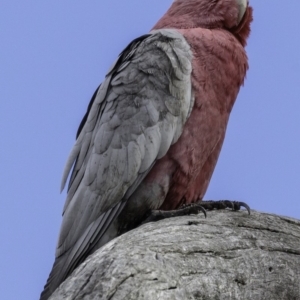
(154, 128)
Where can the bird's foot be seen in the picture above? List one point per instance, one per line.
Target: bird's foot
(194, 209)
(223, 204)
(190, 209)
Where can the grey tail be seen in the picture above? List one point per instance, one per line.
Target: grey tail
(55, 278)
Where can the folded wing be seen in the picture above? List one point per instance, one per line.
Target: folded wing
(134, 117)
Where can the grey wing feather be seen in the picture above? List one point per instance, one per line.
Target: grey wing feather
(122, 140)
(137, 113)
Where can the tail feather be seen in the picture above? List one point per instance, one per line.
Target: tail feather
(55, 278)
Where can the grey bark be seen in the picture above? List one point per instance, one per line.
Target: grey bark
(229, 255)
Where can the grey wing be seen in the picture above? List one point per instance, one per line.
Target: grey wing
(137, 113)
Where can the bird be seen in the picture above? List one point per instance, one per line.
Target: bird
(154, 128)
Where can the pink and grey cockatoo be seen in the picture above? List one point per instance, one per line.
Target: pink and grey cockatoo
(154, 128)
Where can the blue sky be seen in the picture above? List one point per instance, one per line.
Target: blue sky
(52, 57)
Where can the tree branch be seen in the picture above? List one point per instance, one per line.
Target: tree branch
(229, 255)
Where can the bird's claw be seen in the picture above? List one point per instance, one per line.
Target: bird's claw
(223, 204)
(193, 208)
(239, 204)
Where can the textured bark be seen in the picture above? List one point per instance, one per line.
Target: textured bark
(229, 255)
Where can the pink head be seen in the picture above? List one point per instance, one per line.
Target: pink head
(232, 15)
